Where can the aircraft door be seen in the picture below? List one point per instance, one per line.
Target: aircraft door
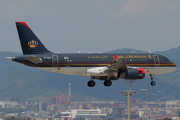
(54, 60)
(156, 60)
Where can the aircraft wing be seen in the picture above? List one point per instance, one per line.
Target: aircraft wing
(117, 63)
(34, 59)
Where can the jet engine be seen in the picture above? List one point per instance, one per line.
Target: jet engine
(138, 73)
(94, 71)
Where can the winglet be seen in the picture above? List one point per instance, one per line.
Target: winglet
(115, 57)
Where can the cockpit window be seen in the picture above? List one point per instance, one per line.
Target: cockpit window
(166, 59)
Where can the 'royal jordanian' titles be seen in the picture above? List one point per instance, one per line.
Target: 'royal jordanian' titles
(101, 66)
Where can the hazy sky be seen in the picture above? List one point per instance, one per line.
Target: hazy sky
(94, 25)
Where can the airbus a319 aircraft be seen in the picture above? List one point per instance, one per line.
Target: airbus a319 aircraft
(101, 66)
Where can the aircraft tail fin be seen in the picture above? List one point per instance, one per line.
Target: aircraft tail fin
(29, 41)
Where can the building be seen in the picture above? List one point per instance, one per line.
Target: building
(59, 100)
(44, 106)
(41, 106)
(170, 104)
(86, 113)
(8, 104)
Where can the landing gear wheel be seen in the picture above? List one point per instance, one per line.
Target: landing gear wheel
(91, 83)
(107, 83)
(153, 83)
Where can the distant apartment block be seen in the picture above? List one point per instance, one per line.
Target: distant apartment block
(59, 100)
(171, 104)
(6, 104)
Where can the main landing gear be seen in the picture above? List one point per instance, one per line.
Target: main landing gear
(91, 83)
(107, 83)
(153, 83)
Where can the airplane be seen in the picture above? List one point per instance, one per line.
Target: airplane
(106, 67)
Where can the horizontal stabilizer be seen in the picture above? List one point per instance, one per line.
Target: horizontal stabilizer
(34, 59)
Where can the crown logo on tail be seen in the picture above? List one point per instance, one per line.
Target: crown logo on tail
(33, 44)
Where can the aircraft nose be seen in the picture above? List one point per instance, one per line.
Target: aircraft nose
(174, 66)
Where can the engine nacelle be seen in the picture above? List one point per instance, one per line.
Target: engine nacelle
(138, 73)
(93, 71)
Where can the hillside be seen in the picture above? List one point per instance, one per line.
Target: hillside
(22, 83)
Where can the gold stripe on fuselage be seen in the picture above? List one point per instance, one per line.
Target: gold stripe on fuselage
(126, 64)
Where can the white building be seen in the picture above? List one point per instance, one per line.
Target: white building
(170, 104)
(4, 103)
(86, 113)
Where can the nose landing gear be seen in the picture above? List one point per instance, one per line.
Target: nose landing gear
(153, 83)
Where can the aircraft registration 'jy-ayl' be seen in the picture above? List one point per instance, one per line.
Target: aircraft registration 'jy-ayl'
(102, 66)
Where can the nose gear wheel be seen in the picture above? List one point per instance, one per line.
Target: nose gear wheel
(153, 83)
